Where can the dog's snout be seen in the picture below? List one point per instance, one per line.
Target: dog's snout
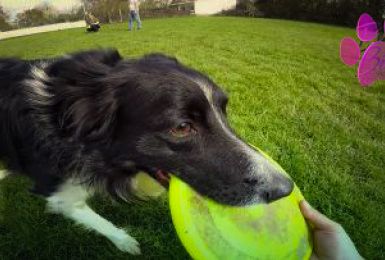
(280, 188)
(251, 181)
(271, 190)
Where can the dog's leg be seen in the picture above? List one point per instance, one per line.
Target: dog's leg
(70, 200)
(3, 174)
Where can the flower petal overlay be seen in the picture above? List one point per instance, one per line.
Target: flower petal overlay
(366, 28)
(372, 64)
(349, 51)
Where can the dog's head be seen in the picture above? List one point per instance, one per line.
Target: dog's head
(161, 116)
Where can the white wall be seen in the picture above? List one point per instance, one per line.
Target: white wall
(206, 7)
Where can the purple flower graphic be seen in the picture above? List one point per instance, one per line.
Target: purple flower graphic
(372, 65)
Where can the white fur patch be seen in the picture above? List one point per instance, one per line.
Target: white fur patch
(70, 200)
(38, 94)
(38, 89)
(69, 196)
(258, 161)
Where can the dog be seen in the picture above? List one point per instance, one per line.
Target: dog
(90, 121)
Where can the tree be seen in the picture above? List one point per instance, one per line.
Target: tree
(4, 17)
(117, 10)
(49, 12)
(31, 17)
(75, 14)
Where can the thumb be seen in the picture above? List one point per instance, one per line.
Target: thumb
(315, 218)
(313, 257)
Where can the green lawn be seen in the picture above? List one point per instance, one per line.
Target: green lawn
(289, 94)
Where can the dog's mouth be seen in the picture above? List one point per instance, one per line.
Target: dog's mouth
(161, 176)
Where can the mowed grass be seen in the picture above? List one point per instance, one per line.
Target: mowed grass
(289, 94)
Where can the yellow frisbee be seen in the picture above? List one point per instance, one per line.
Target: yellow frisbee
(209, 230)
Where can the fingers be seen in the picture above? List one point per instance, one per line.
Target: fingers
(315, 218)
(314, 257)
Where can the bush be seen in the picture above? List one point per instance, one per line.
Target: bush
(164, 12)
(244, 8)
(343, 12)
(247, 8)
(42, 15)
(4, 25)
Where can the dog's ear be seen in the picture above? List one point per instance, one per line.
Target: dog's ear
(159, 59)
(85, 99)
(94, 60)
(90, 114)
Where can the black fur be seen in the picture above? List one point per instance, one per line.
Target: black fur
(99, 118)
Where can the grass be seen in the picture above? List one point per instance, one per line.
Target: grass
(289, 94)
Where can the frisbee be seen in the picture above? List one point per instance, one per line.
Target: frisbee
(209, 230)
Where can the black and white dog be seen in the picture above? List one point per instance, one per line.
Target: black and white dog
(91, 121)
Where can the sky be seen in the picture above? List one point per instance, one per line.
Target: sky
(15, 6)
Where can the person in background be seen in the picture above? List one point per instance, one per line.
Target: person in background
(134, 14)
(92, 23)
(330, 240)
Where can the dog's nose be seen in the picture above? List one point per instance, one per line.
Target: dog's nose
(275, 194)
(277, 187)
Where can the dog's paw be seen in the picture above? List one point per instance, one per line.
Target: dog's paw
(125, 242)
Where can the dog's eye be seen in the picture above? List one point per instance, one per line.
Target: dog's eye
(182, 130)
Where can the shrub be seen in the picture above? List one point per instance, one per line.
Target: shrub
(343, 12)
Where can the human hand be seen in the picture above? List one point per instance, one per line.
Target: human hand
(330, 241)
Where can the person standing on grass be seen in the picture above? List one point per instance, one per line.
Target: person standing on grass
(134, 14)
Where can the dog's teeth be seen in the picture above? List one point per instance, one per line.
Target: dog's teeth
(163, 178)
